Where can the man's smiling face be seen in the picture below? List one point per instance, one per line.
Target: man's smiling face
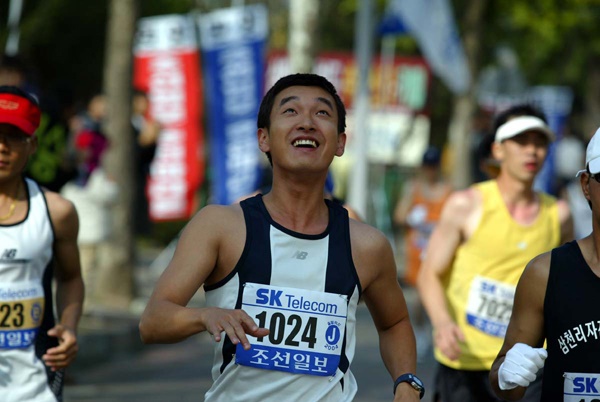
(304, 129)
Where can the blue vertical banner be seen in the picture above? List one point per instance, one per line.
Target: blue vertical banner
(233, 43)
(555, 102)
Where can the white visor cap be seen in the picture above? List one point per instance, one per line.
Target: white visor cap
(592, 155)
(521, 124)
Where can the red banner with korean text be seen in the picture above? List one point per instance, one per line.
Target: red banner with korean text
(167, 67)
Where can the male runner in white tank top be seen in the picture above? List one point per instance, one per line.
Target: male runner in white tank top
(284, 271)
(38, 242)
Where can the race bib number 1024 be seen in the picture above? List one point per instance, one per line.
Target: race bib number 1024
(306, 329)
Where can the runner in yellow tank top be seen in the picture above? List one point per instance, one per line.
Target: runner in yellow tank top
(485, 237)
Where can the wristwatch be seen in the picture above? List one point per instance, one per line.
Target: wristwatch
(414, 382)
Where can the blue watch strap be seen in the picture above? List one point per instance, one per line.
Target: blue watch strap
(414, 382)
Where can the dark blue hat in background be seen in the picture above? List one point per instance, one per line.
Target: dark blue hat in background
(432, 156)
(329, 183)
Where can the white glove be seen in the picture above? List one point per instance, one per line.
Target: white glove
(520, 366)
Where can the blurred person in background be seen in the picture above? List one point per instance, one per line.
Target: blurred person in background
(89, 140)
(146, 131)
(480, 134)
(93, 194)
(477, 252)
(13, 72)
(329, 194)
(556, 305)
(419, 209)
(416, 213)
(38, 234)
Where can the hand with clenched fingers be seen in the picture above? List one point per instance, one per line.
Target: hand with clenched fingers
(447, 338)
(62, 355)
(235, 323)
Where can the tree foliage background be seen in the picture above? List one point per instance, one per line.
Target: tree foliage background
(557, 43)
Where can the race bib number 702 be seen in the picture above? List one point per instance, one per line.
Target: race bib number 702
(306, 329)
(490, 305)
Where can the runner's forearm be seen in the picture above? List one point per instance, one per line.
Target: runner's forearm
(432, 295)
(69, 301)
(398, 349)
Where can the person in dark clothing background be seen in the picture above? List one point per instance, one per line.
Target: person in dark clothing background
(146, 131)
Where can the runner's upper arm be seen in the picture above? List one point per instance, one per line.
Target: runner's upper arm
(374, 261)
(195, 257)
(449, 232)
(66, 228)
(527, 319)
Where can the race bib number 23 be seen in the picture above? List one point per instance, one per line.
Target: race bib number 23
(21, 313)
(306, 329)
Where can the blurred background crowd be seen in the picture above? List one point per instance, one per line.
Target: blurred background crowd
(150, 106)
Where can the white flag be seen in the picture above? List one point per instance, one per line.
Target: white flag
(432, 24)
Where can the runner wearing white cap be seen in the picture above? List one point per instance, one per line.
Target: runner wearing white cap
(478, 250)
(557, 301)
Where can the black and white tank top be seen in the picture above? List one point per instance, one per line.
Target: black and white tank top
(26, 310)
(305, 289)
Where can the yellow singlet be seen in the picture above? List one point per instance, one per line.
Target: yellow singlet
(481, 284)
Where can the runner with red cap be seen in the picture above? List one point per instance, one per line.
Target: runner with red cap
(38, 243)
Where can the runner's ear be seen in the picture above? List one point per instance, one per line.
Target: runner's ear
(263, 139)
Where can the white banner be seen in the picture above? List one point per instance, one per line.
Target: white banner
(432, 24)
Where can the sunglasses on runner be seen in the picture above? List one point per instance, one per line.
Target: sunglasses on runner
(595, 176)
(14, 139)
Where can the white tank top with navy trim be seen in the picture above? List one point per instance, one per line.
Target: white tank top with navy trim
(25, 255)
(305, 289)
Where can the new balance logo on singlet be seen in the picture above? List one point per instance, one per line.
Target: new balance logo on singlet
(9, 254)
(300, 255)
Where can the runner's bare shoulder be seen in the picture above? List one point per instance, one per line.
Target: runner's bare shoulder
(462, 205)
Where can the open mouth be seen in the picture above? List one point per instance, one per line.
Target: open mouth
(305, 144)
(531, 165)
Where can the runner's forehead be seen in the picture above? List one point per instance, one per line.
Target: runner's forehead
(6, 128)
(304, 93)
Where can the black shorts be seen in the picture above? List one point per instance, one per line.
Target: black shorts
(474, 386)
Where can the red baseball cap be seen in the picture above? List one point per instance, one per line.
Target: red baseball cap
(19, 110)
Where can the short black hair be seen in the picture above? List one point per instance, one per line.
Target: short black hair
(304, 80)
(522, 109)
(10, 89)
(12, 63)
